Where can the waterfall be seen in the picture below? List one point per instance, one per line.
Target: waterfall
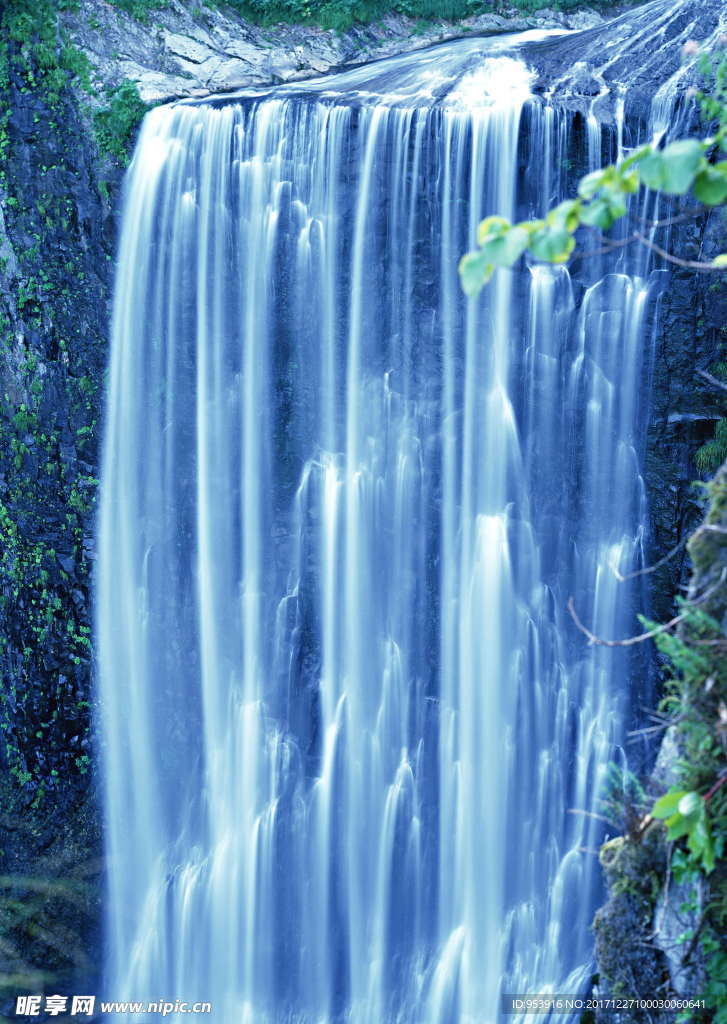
(345, 711)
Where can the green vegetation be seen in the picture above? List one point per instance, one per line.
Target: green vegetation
(695, 809)
(337, 14)
(342, 14)
(671, 856)
(117, 124)
(140, 9)
(713, 453)
(45, 62)
(684, 813)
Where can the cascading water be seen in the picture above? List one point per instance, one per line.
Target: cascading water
(345, 713)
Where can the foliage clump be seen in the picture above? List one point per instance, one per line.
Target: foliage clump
(343, 14)
(713, 453)
(116, 125)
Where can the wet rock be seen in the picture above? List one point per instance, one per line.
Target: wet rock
(633, 55)
(678, 911)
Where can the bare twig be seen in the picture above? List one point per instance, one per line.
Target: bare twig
(720, 781)
(630, 641)
(591, 814)
(649, 568)
(670, 258)
(667, 222)
(663, 723)
(609, 244)
(663, 628)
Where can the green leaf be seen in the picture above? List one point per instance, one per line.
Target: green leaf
(673, 169)
(474, 272)
(491, 226)
(567, 215)
(504, 250)
(710, 186)
(636, 157)
(531, 226)
(617, 207)
(690, 804)
(553, 245)
(667, 804)
(629, 181)
(720, 261)
(597, 215)
(700, 843)
(591, 184)
(678, 826)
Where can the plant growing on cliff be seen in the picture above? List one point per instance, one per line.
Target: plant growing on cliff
(694, 810)
(684, 813)
(116, 125)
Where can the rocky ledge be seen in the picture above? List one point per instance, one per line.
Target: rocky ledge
(189, 50)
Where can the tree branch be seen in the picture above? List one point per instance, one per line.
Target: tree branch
(687, 264)
(663, 628)
(649, 568)
(630, 641)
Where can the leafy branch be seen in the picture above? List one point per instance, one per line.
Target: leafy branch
(679, 168)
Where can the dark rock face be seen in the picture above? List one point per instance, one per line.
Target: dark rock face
(691, 336)
(56, 245)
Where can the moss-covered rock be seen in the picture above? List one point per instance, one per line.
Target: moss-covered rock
(628, 961)
(57, 236)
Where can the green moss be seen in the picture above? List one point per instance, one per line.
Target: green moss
(634, 870)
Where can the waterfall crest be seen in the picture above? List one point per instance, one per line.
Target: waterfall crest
(344, 710)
